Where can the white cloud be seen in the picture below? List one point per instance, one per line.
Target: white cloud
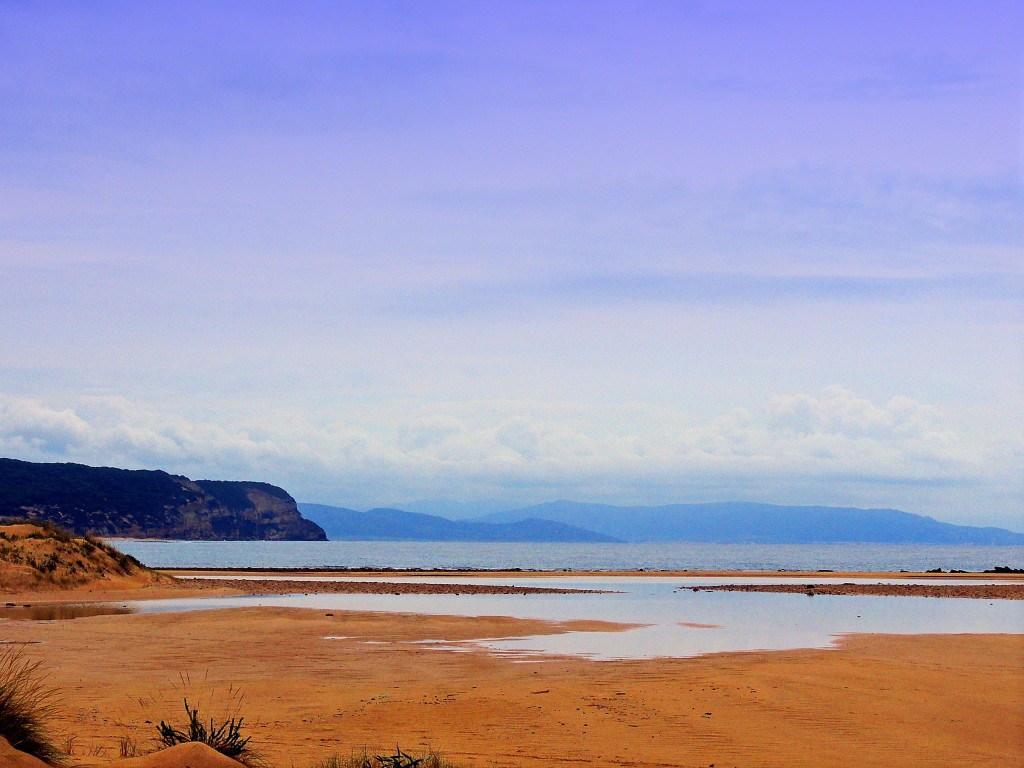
(520, 436)
(839, 411)
(829, 447)
(33, 425)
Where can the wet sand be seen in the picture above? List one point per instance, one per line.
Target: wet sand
(877, 700)
(224, 586)
(238, 582)
(271, 586)
(975, 591)
(291, 586)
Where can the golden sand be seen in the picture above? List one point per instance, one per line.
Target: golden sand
(877, 700)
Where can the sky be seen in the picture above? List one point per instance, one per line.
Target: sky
(509, 252)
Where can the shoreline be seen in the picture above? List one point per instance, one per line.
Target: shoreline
(251, 582)
(948, 591)
(564, 573)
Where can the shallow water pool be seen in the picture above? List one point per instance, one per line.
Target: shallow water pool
(676, 622)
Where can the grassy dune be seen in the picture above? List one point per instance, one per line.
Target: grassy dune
(39, 556)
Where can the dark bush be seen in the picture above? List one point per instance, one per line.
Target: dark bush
(226, 738)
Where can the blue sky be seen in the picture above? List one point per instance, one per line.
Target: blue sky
(631, 252)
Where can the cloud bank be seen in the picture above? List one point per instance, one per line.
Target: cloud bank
(827, 447)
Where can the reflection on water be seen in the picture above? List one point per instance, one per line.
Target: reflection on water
(64, 612)
(675, 621)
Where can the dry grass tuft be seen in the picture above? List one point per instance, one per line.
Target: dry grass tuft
(212, 717)
(26, 704)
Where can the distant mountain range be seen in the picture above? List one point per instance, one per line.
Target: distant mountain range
(454, 510)
(726, 522)
(746, 522)
(399, 525)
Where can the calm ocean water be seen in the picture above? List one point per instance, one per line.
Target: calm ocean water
(573, 557)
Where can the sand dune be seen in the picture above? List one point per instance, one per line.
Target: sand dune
(39, 558)
(192, 755)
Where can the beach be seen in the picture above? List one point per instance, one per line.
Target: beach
(619, 384)
(323, 682)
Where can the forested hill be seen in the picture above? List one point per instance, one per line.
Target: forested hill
(107, 501)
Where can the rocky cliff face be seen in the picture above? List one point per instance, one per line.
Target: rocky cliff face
(256, 511)
(106, 501)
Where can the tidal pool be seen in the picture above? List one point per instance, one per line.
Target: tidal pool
(676, 622)
(63, 612)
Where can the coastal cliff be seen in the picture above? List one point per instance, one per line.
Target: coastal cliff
(106, 501)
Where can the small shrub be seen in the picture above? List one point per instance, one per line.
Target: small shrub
(226, 738)
(398, 760)
(26, 703)
(126, 563)
(48, 530)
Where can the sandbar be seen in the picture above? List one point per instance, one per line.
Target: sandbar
(975, 591)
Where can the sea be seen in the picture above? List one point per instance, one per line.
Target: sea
(570, 557)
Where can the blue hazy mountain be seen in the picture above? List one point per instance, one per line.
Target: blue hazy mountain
(454, 510)
(746, 522)
(398, 525)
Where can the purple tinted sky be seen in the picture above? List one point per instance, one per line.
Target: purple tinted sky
(626, 251)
